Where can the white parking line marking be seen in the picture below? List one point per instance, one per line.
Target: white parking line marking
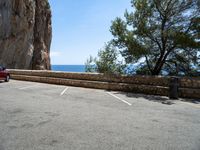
(27, 87)
(119, 99)
(63, 92)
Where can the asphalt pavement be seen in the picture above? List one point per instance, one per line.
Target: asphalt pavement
(36, 116)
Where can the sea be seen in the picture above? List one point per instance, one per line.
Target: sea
(68, 68)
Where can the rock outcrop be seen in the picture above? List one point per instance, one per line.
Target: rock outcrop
(25, 34)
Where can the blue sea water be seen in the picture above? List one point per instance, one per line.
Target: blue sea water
(68, 68)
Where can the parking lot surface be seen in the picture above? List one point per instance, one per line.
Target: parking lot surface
(36, 116)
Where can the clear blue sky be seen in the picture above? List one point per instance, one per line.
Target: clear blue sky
(81, 27)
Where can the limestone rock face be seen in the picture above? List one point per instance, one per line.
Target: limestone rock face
(25, 34)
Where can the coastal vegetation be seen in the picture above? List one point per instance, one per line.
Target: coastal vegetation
(106, 61)
(159, 37)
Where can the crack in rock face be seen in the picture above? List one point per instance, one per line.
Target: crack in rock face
(25, 34)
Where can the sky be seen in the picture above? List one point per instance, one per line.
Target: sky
(81, 28)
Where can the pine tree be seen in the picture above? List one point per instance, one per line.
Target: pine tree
(166, 34)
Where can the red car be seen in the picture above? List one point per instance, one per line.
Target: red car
(4, 74)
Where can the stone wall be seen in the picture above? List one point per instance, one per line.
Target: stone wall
(189, 87)
(155, 85)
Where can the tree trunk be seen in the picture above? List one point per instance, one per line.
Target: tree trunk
(157, 69)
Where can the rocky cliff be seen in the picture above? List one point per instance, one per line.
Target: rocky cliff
(25, 34)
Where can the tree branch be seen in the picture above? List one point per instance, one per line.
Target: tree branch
(148, 64)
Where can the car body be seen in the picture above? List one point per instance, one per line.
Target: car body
(4, 74)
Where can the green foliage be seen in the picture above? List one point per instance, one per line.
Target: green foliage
(89, 65)
(47, 5)
(165, 33)
(106, 62)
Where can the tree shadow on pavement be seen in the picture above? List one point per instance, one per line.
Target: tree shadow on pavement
(153, 98)
(194, 101)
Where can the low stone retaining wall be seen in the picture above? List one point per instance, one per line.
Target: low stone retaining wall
(96, 84)
(155, 85)
(189, 87)
(146, 80)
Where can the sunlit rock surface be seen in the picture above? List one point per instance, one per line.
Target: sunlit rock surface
(25, 34)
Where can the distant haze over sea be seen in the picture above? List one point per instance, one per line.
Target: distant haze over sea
(68, 68)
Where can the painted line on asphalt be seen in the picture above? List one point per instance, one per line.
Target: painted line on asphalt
(27, 87)
(63, 92)
(119, 98)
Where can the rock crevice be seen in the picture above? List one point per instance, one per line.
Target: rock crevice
(25, 34)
